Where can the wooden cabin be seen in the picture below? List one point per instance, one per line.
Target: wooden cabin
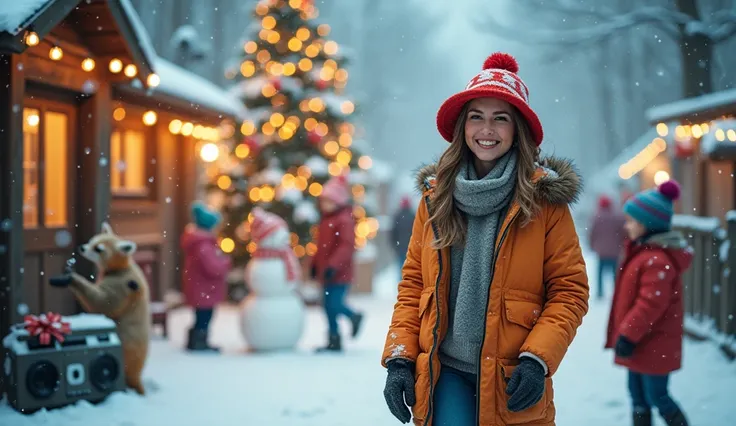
(94, 126)
(701, 133)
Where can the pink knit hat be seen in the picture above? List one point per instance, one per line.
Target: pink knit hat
(264, 223)
(336, 190)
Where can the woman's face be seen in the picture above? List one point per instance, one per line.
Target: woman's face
(633, 228)
(489, 131)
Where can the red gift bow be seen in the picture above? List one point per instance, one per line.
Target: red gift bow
(45, 326)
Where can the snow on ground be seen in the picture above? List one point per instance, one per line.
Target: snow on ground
(306, 389)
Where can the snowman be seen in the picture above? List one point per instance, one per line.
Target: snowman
(273, 314)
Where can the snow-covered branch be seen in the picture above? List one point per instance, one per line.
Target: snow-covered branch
(665, 18)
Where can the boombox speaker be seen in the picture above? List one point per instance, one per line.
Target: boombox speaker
(87, 365)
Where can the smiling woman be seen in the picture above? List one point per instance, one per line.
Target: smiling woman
(465, 345)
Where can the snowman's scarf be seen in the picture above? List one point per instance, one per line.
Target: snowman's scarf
(293, 269)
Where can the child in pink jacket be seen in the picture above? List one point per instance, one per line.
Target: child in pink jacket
(205, 271)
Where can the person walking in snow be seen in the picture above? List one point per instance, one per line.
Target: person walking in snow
(606, 238)
(646, 319)
(401, 230)
(332, 265)
(494, 285)
(205, 270)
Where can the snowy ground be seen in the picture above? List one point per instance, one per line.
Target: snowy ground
(305, 389)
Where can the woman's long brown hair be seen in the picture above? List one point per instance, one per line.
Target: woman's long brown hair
(448, 220)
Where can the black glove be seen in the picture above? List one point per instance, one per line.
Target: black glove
(399, 390)
(624, 347)
(61, 281)
(526, 386)
(330, 275)
(66, 279)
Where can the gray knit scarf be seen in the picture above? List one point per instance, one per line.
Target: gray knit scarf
(483, 201)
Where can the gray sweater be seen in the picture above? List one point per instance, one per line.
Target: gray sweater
(484, 203)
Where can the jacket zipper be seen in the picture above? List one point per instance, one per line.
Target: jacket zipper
(436, 325)
(488, 300)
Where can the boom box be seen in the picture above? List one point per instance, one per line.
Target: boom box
(87, 365)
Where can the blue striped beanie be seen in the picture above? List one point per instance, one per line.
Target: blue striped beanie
(653, 207)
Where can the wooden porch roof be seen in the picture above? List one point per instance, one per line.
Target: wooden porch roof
(107, 28)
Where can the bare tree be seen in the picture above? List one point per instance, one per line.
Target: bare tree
(694, 25)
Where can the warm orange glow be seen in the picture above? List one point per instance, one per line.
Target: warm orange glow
(118, 114)
(289, 68)
(247, 68)
(312, 50)
(56, 53)
(115, 66)
(153, 80)
(247, 128)
(315, 189)
(242, 151)
(345, 140)
(269, 22)
(331, 148)
(227, 245)
(224, 182)
(347, 107)
(295, 45)
(250, 47)
(175, 127)
(88, 64)
(277, 119)
(32, 38)
(330, 47)
(305, 64)
(130, 71)
(150, 118)
(323, 30)
(365, 162)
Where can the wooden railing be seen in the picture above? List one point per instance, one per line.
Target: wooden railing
(708, 286)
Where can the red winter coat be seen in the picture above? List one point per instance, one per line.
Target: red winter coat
(607, 233)
(647, 303)
(205, 269)
(336, 246)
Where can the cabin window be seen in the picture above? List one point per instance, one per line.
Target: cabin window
(45, 188)
(132, 164)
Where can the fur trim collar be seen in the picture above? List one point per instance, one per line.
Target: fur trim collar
(557, 180)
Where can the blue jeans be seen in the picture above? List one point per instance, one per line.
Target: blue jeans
(454, 398)
(605, 264)
(649, 391)
(334, 302)
(202, 318)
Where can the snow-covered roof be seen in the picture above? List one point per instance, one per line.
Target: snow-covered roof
(703, 107)
(15, 14)
(139, 30)
(709, 142)
(183, 84)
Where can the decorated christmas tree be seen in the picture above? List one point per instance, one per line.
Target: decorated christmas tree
(299, 133)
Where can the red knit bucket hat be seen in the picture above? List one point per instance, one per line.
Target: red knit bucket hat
(497, 80)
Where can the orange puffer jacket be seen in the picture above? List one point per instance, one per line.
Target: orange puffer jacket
(538, 297)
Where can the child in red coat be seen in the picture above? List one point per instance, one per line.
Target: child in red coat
(205, 272)
(646, 320)
(333, 263)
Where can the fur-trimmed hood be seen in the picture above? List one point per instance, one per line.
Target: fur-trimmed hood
(557, 180)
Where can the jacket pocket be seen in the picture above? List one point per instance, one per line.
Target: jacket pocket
(522, 308)
(427, 318)
(535, 413)
(425, 300)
